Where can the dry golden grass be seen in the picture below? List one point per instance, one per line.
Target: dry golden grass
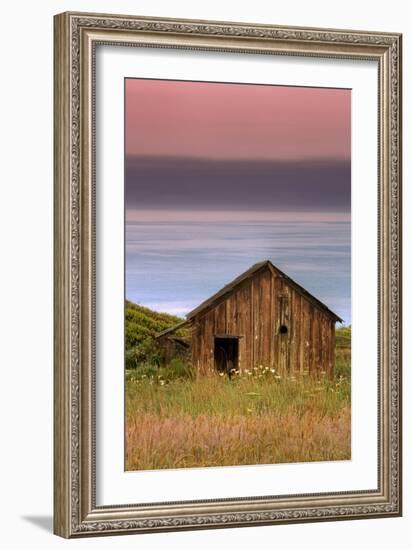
(184, 441)
(251, 420)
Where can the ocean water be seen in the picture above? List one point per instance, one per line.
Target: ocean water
(173, 266)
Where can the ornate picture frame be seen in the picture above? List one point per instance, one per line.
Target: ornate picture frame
(76, 510)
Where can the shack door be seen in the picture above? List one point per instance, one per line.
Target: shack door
(226, 354)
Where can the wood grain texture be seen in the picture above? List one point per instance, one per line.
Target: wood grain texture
(274, 303)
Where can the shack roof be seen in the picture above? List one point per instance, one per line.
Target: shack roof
(169, 330)
(249, 273)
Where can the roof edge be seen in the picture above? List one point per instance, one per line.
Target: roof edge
(172, 329)
(229, 287)
(305, 292)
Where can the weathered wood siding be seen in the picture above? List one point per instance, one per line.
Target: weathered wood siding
(254, 311)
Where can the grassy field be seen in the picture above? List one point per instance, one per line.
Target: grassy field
(174, 420)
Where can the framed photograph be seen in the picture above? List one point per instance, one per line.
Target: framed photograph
(227, 274)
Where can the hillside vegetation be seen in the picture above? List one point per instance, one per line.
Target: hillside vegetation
(141, 326)
(343, 352)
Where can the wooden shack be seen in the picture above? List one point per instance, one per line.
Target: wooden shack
(172, 347)
(262, 319)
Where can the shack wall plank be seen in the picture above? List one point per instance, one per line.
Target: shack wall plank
(265, 285)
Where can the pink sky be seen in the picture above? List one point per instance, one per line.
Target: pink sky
(201, 119)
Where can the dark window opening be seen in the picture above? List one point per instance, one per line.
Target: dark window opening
(283, 329)
(226, 355)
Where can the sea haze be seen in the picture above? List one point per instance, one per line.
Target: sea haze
(173, 265)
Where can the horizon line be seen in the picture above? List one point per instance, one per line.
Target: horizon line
(163, 215)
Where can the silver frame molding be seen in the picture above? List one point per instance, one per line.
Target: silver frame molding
(76, 36)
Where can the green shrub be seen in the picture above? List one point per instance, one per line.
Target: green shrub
(141, 326)
(343, 352)
(342, 368)
(131, 358)
(179, 368)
